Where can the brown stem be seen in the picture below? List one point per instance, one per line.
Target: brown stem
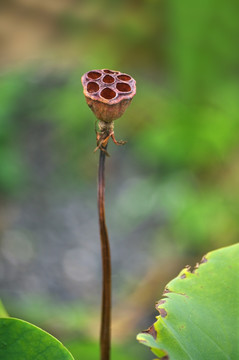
(105, 332)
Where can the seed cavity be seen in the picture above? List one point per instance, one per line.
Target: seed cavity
(93, 75)
(92, 87)
(108, 79)
(124, 77)
(109, 71)
(108, 93)
(123, 87)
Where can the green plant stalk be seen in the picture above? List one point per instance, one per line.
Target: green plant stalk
(105, 331)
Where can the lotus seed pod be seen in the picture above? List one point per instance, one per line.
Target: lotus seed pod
(108, 93)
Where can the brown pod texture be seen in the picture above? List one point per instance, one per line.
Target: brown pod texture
(108, 93)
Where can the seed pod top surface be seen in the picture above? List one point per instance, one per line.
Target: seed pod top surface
(108, 86)
(105, 88)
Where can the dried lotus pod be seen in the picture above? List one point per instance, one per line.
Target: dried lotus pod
(108, 93)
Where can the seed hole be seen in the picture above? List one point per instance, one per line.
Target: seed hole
(108, 79)
(93, 75)
(109, 71)
(123, 87)
(92, 87)
(124, 77)
(108, 93)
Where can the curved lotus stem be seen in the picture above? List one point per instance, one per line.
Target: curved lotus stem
(105, 331)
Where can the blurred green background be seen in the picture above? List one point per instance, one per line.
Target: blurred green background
(171, 192)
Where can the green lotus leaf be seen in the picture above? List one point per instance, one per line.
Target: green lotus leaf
(20, 340)
(199, 313)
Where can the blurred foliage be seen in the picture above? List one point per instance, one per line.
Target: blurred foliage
(58, 318)
(11, 169)
(73, 320)
(183, 124)
(86, 349)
